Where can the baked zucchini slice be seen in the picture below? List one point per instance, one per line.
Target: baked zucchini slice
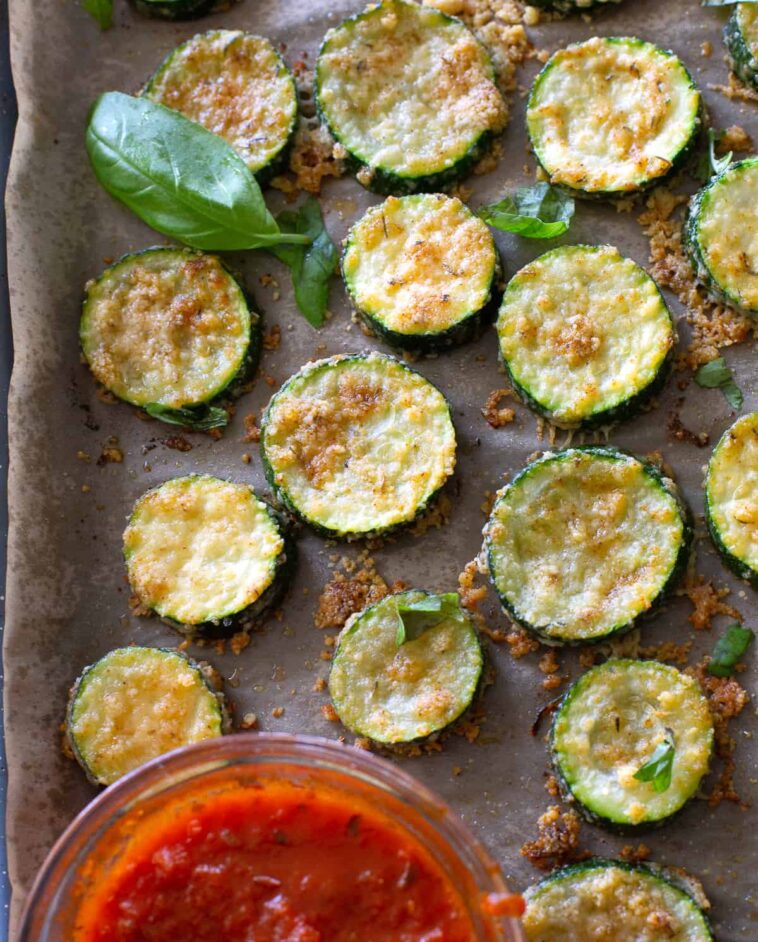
(177, 9)
(236, 85)
(731, 497)
(720, 234)
(422, 272)
(585, 335)
(612, 115)
(398, 692)
(612, 722)
(170, 330)
(584, 541)
(611, 899)
(138, 703)
(207, 555)
(741, 40)
(410, 94)
(358, 444)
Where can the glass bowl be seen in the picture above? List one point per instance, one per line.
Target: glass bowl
(96, 838)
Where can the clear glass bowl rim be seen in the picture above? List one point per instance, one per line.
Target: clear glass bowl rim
(238, 750)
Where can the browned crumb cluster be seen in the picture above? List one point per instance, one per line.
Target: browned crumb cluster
(549, 665)
(713, 325)
(252, 432)
(727, 698)
(521, 643)
(736, 139)
(350, 591)
(557, 842)
(636, 854)
(667, 651)
(111, 453)
(707, 602)
(497, 415)
(435, 517)
(736, 90)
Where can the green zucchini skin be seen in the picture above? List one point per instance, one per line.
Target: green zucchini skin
(547, 633)
(717, 286)
(545, 916)
(107, 300)
(120, 679)
(615, 695)
(415, 217)
(739, 46)
(372, 174)
(574, 182)
(176, 9)
(367, 656)
(740, 443)
(187, 508)
(576, 269)
(175, 85)
(375, 382)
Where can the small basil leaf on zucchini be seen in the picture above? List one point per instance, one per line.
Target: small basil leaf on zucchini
(716, 375)
(657, 770)
(201, 418)
(311, 266)
(414, 618)
(537, 212)
(101, 11)
(729, 649)
(177, 177)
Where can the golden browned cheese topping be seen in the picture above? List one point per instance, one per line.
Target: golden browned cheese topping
(236, 86)
(167, 326)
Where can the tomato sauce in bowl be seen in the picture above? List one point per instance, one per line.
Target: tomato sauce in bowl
(257, 838)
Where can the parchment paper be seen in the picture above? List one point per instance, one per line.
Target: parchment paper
(67, 598)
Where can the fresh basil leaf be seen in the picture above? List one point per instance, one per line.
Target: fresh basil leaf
(100, 10)
(200, 418)
(729, 649)
(716, 375)
(311, 266)
(414, 618)
(537, 212)
(658, 769)
(177, 177)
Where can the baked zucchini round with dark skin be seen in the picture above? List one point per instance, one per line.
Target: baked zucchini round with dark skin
(583, 542)
(177, 9)
(612, 116)
(741, 40)
(617, 720)
(170, 330)
(731, 497)
(585, 335)
(207, 555)
(236, 85)
(720, 235)
(406, 667)
(612, 899)
(422, 272)
(138, 703)
(358, 444)
(410, 95)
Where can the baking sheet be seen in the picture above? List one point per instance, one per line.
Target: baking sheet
(67, 599)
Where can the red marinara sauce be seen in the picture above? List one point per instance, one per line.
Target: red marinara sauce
(275, 864)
